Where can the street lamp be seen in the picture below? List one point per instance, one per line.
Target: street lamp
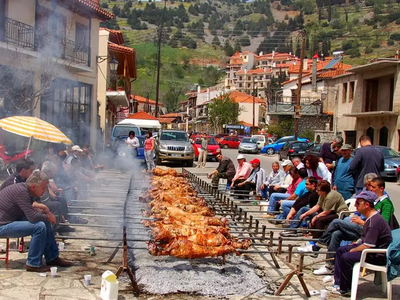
(114, 64)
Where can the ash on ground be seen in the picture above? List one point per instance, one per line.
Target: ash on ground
(207, 276)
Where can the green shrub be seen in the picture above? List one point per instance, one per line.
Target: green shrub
(395, 36)
(368, 50)
(390, 42)
(384, 22)
(376, 45)
(398, 21)
(375, 26)
(308, 134)
(354, 52)
(286, 17)
(324, 24)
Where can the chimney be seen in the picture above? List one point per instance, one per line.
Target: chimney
(245, 70)
(314, 75)
(290, 53)
(261, 53)
(274, 65)
(305, 64)
(273, 53)
(198, 89)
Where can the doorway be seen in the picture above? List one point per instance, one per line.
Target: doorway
(383, 136)
(370, 133)
(351, 138)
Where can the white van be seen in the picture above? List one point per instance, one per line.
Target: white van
(139, 126)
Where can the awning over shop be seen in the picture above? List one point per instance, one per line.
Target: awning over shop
(372, 114)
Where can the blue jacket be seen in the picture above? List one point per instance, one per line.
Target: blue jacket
(393, 256)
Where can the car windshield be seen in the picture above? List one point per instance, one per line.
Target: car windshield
(258, 137)
(249, 140)
(124, 130)
(300, 146)
(211, 141)
(174, 136)
(389, 152)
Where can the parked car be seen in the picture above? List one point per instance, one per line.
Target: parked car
(219, 136)
(293, 149)
(212, 148)
(229, 142)
(314, 149)
(174, 145)
(262, 140)
(392, 161)
(274, 147)
(249, 145)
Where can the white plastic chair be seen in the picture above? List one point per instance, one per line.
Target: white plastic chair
(386, 286)
(351, 204)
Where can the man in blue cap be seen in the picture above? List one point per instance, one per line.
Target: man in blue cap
(376, 235)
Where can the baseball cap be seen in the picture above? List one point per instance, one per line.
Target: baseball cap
(286, 163)
(255, 161)
(240, 156)
(76, 148)
(347, 147)
(367, 196)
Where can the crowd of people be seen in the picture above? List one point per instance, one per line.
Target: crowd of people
(35, 200)
(312, 193)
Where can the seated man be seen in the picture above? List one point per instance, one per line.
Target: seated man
(276, 197)
(242, 172)
(276, 177)
(225, 169)
(21, 217)
(301, 205)
(287, 179)
(24, 169)
(330, 202)
(256, 178)
(376, 235)
(298, 163)
(351, 230)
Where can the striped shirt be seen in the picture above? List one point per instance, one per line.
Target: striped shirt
(16, 204)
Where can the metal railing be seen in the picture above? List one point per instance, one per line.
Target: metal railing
(19, 34)
(286, 106)
(26, 36)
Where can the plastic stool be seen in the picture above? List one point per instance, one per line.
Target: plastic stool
(6, 258)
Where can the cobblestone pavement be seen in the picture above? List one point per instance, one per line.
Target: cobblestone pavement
(16, 283)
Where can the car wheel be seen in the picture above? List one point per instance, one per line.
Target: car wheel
(189, 163)
(226, 146)
(270, 151)
(239, 151)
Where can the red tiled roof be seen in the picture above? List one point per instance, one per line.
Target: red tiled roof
(305, 75)
(171, 115)
(245, 124)
(240, 97)
(95, 5)
(141, 99)
(115, 36)
(256, 71)
(235, 55)
(287, 65)
(166, 120)
(120, 48)
(277, 56)
(331, 73)
(142, 116)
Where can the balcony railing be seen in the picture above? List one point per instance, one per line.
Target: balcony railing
(286, 106)
(26, 36)
(19, 34)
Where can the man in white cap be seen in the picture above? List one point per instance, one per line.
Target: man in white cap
(242, 172)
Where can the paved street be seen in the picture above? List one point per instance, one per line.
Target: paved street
(392, 187)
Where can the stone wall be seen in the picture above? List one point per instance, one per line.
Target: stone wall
(325, 136)
(313, 123)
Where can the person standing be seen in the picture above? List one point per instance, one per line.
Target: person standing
(201, 161)
(149, 146)
(133, 143)
(329, 152)
(343, 179)
(367, 159)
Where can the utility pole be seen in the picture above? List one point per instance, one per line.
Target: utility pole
(160, 30)
(297, 107)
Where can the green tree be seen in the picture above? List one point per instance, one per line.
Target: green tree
(228, 49)
(223, 110)
(216, 41)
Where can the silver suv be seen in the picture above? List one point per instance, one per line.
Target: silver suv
(174, 145)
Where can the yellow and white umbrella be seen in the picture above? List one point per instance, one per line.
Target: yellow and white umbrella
(34, 128)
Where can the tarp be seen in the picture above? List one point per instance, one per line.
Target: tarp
(141, 123)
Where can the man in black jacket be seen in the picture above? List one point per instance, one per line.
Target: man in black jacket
(226, 169)
(24, 169)
(367, 159)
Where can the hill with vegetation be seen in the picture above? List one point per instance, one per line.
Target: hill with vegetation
(199, 36)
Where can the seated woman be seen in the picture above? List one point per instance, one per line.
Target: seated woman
(328, 208)
(317, 168)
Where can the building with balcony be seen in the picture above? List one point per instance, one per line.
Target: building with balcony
(238, 61)
(116, 71)
(253, 81)
(367, 101)
(48, 64)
